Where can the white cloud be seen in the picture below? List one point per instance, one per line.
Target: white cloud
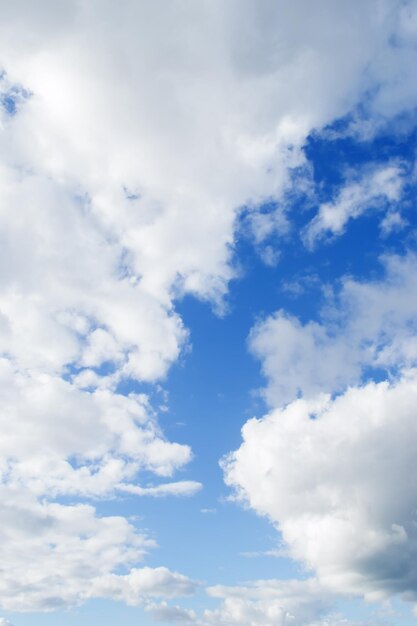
(195, 134)
(334, 472)
(54, 556)
(64, 298)
(273, 602)
(58, 440)
(376, 190)
(366, 325)
(260, 603)
(300, 358)
(5, 622)
(266, 602)
(192, 137)
(120, 180)
(337, 478)
(143, 584)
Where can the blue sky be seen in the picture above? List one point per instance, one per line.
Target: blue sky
(208, 305)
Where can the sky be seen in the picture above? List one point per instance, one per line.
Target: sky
(208, 313)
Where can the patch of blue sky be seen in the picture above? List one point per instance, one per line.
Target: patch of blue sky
(130, 194)
(107, 368)
(210, 396)
(12, 98)
(334, 149)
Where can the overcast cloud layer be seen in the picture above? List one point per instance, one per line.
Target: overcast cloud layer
(132, 137)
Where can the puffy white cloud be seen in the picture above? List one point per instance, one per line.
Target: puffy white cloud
(376, 190)
(66, 295)
(58, 440)
(134, 153)
(5, 622)
(143, 584)
(188, 130)
(300, 358)
(54, 556)
(334, 472)
(337, 479)
(365, 325)
(142, 131)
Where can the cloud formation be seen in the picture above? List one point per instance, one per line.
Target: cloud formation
(262, 603)
(364, 325)
(54, 556)
(265, 602)
(336, 477)
(58, 440)
(129, 144)
(331, 465)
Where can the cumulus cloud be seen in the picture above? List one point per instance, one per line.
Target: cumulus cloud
(337, 479)
(104, 159)
(66, 295)
(122, 117)
(143, 584)
(54, 556)
(58, 440)
(73, 436)
(331, 465)
(129, 143)
(367, 324)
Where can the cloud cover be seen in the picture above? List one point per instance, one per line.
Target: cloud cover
(337, 478)
(56, 556)
(129, 143)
